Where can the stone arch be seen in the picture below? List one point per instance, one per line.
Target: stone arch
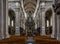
(12, 12)
(11, 21)
(48, 20)
(50, 7)
(36, 8)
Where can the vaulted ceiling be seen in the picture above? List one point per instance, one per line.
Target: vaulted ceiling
(30, 5)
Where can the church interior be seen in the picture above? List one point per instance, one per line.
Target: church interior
(29, 22)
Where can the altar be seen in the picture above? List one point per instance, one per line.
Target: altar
(30, 26)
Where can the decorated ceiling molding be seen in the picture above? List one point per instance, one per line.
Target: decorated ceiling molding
(30, 5)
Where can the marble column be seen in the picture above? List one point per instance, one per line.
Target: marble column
(58, 27)
(54, 25)
(43, 24)
(3, 19)
(57, 19)
(17, 23)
